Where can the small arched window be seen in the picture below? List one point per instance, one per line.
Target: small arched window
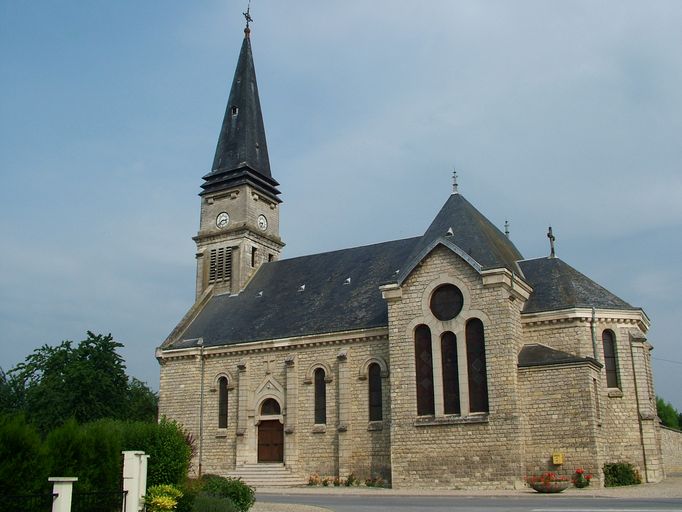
(270, 407)
(222, 402)
(448, 350)
(478, 380)
(375, 399)
(609, 342)
(423, 370)
(320, 397)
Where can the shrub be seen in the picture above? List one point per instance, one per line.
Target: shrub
(166, 445)
(208, 503)
(314, 479)
(352, 480)
(190, 490)
(242, 495)
(161, 498)
(22, 459)
(620, 473)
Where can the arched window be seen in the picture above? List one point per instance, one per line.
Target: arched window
(478, 382)
(320, 397)
(270, 407)
(375, 399)
(609, 341)
(448, 350)
(222, 402)
(423, 370)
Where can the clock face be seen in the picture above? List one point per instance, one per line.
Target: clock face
(222, 220)
(262, 222)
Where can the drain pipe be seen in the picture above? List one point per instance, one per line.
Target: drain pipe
(201, 403)
(593, 326)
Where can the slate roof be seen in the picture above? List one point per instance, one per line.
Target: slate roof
(557, 285)
(472, 232)
(242, 151)
(326, 305)
(535, 354)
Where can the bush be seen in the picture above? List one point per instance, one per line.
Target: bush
(242, 495)
(161, 498)
(22, 458)
(208, 503)
(165, 443)
(620, 473)
(91, 452)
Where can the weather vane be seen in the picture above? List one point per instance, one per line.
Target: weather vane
(247, 14)
(455, 187)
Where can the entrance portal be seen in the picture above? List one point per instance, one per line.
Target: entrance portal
(270, 441)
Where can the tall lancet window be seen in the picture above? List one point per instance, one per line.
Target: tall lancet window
(222, 402)
(320, 397)
(478, 380)
(375, 399)
(424, 370)
(609, 342)
(448, 350)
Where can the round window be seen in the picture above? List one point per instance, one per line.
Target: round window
(446, 302)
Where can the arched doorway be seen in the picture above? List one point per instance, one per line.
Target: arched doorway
(270, 433)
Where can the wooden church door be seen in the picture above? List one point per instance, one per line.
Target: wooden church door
(270, 441)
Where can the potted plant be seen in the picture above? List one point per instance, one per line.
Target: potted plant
(548, 482)
(581, 479)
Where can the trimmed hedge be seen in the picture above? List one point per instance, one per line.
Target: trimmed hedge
(92, 452)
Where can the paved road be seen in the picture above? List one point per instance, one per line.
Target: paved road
(533, 503)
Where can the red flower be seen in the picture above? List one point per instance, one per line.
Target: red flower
(579, 471)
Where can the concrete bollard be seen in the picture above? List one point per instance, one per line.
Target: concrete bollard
(62, 486)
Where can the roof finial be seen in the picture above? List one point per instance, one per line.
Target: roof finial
(249, 19)
(455, 187)
(506, 228)
(552, 238)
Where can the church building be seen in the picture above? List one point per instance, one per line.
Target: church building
(446, 360)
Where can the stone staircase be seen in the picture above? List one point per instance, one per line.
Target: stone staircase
(267, 475)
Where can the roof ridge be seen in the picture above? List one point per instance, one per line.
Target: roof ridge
(346, 249)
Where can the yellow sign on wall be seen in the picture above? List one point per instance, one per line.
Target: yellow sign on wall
(557, 458)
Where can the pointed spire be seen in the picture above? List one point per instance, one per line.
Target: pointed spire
(242, 152)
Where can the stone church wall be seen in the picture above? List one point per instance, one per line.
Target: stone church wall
(473, 450)
(560, 417)
(348, 443)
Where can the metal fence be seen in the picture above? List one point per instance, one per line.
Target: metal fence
(27, 503)
(98, 501)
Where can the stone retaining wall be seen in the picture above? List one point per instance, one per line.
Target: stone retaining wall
(671, 446)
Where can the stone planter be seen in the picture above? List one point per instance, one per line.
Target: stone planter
(551, 487)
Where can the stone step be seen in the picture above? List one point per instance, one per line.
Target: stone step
(267, 475)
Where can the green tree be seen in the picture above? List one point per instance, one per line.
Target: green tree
(142, 404)
(11, 394)
(667, 413)
(86, 382)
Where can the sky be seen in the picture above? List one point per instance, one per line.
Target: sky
(566, 114)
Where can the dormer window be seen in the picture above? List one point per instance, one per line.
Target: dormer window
(234, 110)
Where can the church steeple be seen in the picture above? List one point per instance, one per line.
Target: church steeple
(242, 153)
(239, 222)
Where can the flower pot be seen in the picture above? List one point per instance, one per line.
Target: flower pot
(552, 486)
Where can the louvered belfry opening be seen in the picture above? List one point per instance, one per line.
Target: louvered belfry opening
(220, 269)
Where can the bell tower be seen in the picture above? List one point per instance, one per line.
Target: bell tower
(239, 225)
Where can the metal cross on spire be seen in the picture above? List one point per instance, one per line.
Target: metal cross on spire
(506, 228)
(552, 238)
(455, 186)
(247, 14)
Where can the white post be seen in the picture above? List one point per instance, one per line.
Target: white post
(134, 480)
(62, 486)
